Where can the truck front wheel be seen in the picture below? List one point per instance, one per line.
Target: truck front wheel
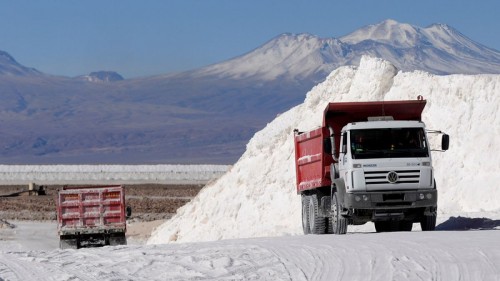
(338, 224)
(305, 214)
(428, 222)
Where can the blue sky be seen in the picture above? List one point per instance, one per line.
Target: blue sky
(141, 38)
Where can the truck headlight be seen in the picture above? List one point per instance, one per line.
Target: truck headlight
(421, 196)
(356, 166)
(429, 196)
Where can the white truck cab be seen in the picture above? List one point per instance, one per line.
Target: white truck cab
(385, 155)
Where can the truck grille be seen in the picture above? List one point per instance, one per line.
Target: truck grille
(392, 177)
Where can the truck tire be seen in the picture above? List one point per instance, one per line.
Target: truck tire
(305, 214)
(65, 243)
(428, 222)
(118, 239)
(317, 223)
(337, 224)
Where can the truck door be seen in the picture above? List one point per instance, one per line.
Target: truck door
(343, 155)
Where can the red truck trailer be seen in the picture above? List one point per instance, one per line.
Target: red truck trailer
(91, 216)
(370, 161)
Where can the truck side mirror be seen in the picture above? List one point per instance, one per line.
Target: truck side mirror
(445, 142)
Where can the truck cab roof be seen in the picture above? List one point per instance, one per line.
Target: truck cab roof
(383, 125)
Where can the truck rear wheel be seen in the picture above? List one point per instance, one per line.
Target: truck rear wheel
(305, 214)
(118, 239)
(428, 222)
(337, 223)
(65, 243)
(317, 223)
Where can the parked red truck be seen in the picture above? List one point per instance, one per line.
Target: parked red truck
(370, 161)
(91, 216)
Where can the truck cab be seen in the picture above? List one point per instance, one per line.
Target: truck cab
(385, 169)
(371, 148)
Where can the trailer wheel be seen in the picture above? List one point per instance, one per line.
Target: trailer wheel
(118, 239)
(317, 223)
(337, 223)
(428, 223)
(305, 214)
(65, 243)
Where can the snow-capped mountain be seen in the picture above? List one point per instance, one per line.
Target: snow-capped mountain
(286, 56)
(103, 76)
(205, 115)
(438, 49)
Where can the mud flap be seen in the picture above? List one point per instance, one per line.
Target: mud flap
(339, 187)
(326, 206)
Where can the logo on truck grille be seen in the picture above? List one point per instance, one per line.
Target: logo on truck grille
(392, 177)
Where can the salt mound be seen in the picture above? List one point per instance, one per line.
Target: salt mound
(257, 196)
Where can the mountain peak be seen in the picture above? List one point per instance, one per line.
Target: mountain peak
(295, 36)
(388, 31)
(5, 58)
(103, 76)
(10, 67)
(288, 55)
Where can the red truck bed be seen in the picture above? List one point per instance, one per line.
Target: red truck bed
(91, 209)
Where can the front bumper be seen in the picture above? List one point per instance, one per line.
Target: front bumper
(385, 200)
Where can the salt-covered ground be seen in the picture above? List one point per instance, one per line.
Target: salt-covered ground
(438, 255)
(256, 198)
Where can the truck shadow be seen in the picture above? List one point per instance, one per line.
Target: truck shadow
(462, 223)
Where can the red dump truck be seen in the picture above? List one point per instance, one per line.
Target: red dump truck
(91, 216)
(370, 161)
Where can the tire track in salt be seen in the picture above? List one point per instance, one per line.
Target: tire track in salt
(13, 268)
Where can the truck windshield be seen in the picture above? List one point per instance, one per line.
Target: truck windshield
(388, 143)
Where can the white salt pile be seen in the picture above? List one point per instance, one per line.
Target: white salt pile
(257, 196)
